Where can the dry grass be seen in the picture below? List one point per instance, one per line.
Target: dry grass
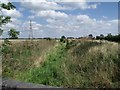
(23, 55)
(85, 64)
(91, 64)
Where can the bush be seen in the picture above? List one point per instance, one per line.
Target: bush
(6, 46)
(62, 39)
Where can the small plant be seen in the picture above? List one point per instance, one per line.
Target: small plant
(6, 46)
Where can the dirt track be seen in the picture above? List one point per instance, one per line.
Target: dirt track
(8, 84)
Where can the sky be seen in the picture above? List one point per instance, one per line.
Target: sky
(55, 19)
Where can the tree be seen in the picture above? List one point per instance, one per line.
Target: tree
(101, 35)
(90, 36)
(13, 33)
(5, 19)
(109, 37)
(62, 39)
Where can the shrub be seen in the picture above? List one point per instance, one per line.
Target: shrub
(6, 46)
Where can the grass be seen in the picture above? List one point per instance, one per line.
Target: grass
(95, 66)
(75, 64)
(49, 73)
(23, 55)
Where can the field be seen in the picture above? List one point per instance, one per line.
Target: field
(71, 64)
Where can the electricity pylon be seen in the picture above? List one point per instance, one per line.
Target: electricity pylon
(31, 31)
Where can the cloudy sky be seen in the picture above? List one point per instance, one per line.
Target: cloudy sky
(54, 19)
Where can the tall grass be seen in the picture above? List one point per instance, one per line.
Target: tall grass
(22, 56)
(50, 72)
(92, 64)
(75, 64)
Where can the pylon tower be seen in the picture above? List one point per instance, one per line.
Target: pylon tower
(31, 31)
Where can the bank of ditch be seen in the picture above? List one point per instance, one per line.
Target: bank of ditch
(77, 64)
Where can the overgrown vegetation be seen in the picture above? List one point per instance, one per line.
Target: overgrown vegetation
(73, 63)
(5, 19)
(93, 64)
(50, 72)
(18, 57)
(109, 37)
(68, 63)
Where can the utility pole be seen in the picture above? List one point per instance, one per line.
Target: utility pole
(30, 32)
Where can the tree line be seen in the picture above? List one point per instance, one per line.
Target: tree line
(109, 37)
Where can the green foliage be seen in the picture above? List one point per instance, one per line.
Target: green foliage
(50, 72)
(90, 36)
(13, 33)
(84, 47)
(109, 37)
(6, 46)
(115, 38)
(5, 19)
(9, 6)
(73, 64)
(21, 56)
(48, 38)
(62, 39)
(70, 44)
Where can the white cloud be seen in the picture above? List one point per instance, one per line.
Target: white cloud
(51, 14)
(45, 5)
(31, 17)
(12, 13)
(84, 18)
(9, 25)
(79, 5)
(82, 25)
(104, 17)
(4, 1)
(35, 25)
(21, 9)
(14, 24)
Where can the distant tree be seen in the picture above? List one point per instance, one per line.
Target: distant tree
(13, 33)
(109, 35)
(90, 36)
(118, 38)
(70, 37)
(101, 35)
(62, 39)
(48, 38)
(97, 37)
(5, 19)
